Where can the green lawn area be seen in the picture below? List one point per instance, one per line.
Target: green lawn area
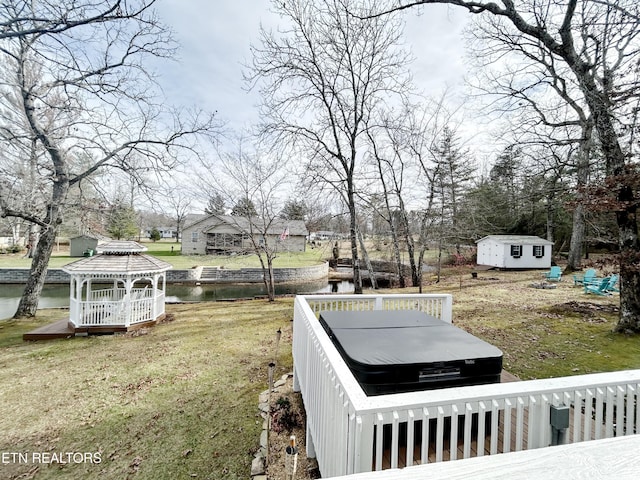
(163, 250)
(180, 401)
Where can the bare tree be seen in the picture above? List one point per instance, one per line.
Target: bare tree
(76, 99)
(255, 179)
(597, 41)
(179, 201)
(322, 80)
(548, 108)
(49, 17)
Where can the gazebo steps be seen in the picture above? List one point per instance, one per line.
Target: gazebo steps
(65, 329)
(60, 329)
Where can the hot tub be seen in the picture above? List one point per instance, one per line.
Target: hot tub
(402, 351)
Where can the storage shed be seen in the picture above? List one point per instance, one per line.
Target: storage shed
(514, 251)
(80, 244)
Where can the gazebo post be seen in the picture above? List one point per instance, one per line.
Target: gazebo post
(154, 302)
(127, 304)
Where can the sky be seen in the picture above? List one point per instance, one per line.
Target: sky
(215, 37)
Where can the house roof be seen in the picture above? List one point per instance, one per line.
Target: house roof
(517, 239)
(276, 227)
(93, 236)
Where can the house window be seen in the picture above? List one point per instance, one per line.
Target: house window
(516, 251)
(538, 251)
(194, 237)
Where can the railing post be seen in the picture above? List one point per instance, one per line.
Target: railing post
(310, 447)
(378, 305)
(447, 309)
(363, 455)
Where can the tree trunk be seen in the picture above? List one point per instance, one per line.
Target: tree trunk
(271, 288)
(574, 259)
(396, 253)
(29, 301)
(423, 248)
(353, 231)
(551, 219)
(626, 217)
(415, 274)
(267, 275)
(367, 261)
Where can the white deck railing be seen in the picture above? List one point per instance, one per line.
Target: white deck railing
(349, 432)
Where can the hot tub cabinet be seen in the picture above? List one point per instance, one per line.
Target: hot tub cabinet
(403, 351)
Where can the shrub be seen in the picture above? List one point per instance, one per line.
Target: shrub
(14, 249)
(285, 416)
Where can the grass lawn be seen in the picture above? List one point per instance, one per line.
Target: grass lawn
(177, 402)
(180, 401)
(60, 257)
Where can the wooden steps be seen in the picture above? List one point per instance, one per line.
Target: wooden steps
(60, 329)
(65, 329)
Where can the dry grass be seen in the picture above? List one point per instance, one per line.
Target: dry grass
(177, 401)
(542, 332)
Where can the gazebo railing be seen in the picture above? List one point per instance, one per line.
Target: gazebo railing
(114, 307)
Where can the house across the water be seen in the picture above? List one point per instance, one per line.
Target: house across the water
(225, 234)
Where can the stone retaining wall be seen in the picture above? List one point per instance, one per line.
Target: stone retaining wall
(20, 275)
(191, 275)
(214, 275)
(255, 275)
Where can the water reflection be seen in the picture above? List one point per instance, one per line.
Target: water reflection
(55, 296)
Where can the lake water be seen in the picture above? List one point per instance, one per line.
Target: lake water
(56, 296)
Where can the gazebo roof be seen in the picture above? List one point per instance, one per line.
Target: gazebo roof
(118, 258)
(120, 247)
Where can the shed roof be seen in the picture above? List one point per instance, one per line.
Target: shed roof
(517, 239)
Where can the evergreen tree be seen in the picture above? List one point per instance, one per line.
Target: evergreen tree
(122, 222)
(154, 235)
(294, 210)
(244, 208)
(216, 205)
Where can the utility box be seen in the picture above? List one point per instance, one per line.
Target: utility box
(559, 417)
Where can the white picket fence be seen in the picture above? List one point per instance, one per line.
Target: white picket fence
(349, 432)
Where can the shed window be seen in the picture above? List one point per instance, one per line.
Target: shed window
(194, 237)
(538, 251)
(516, 251)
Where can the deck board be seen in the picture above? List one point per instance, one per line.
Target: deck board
(65, 329)
(60, 329)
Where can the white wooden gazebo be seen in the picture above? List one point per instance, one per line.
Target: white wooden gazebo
(118, 289)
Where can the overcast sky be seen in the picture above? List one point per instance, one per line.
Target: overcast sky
(215, 38)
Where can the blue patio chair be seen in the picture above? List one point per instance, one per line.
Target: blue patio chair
(599, 288)
(613, 280)
(588, 277)
(555, 274)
